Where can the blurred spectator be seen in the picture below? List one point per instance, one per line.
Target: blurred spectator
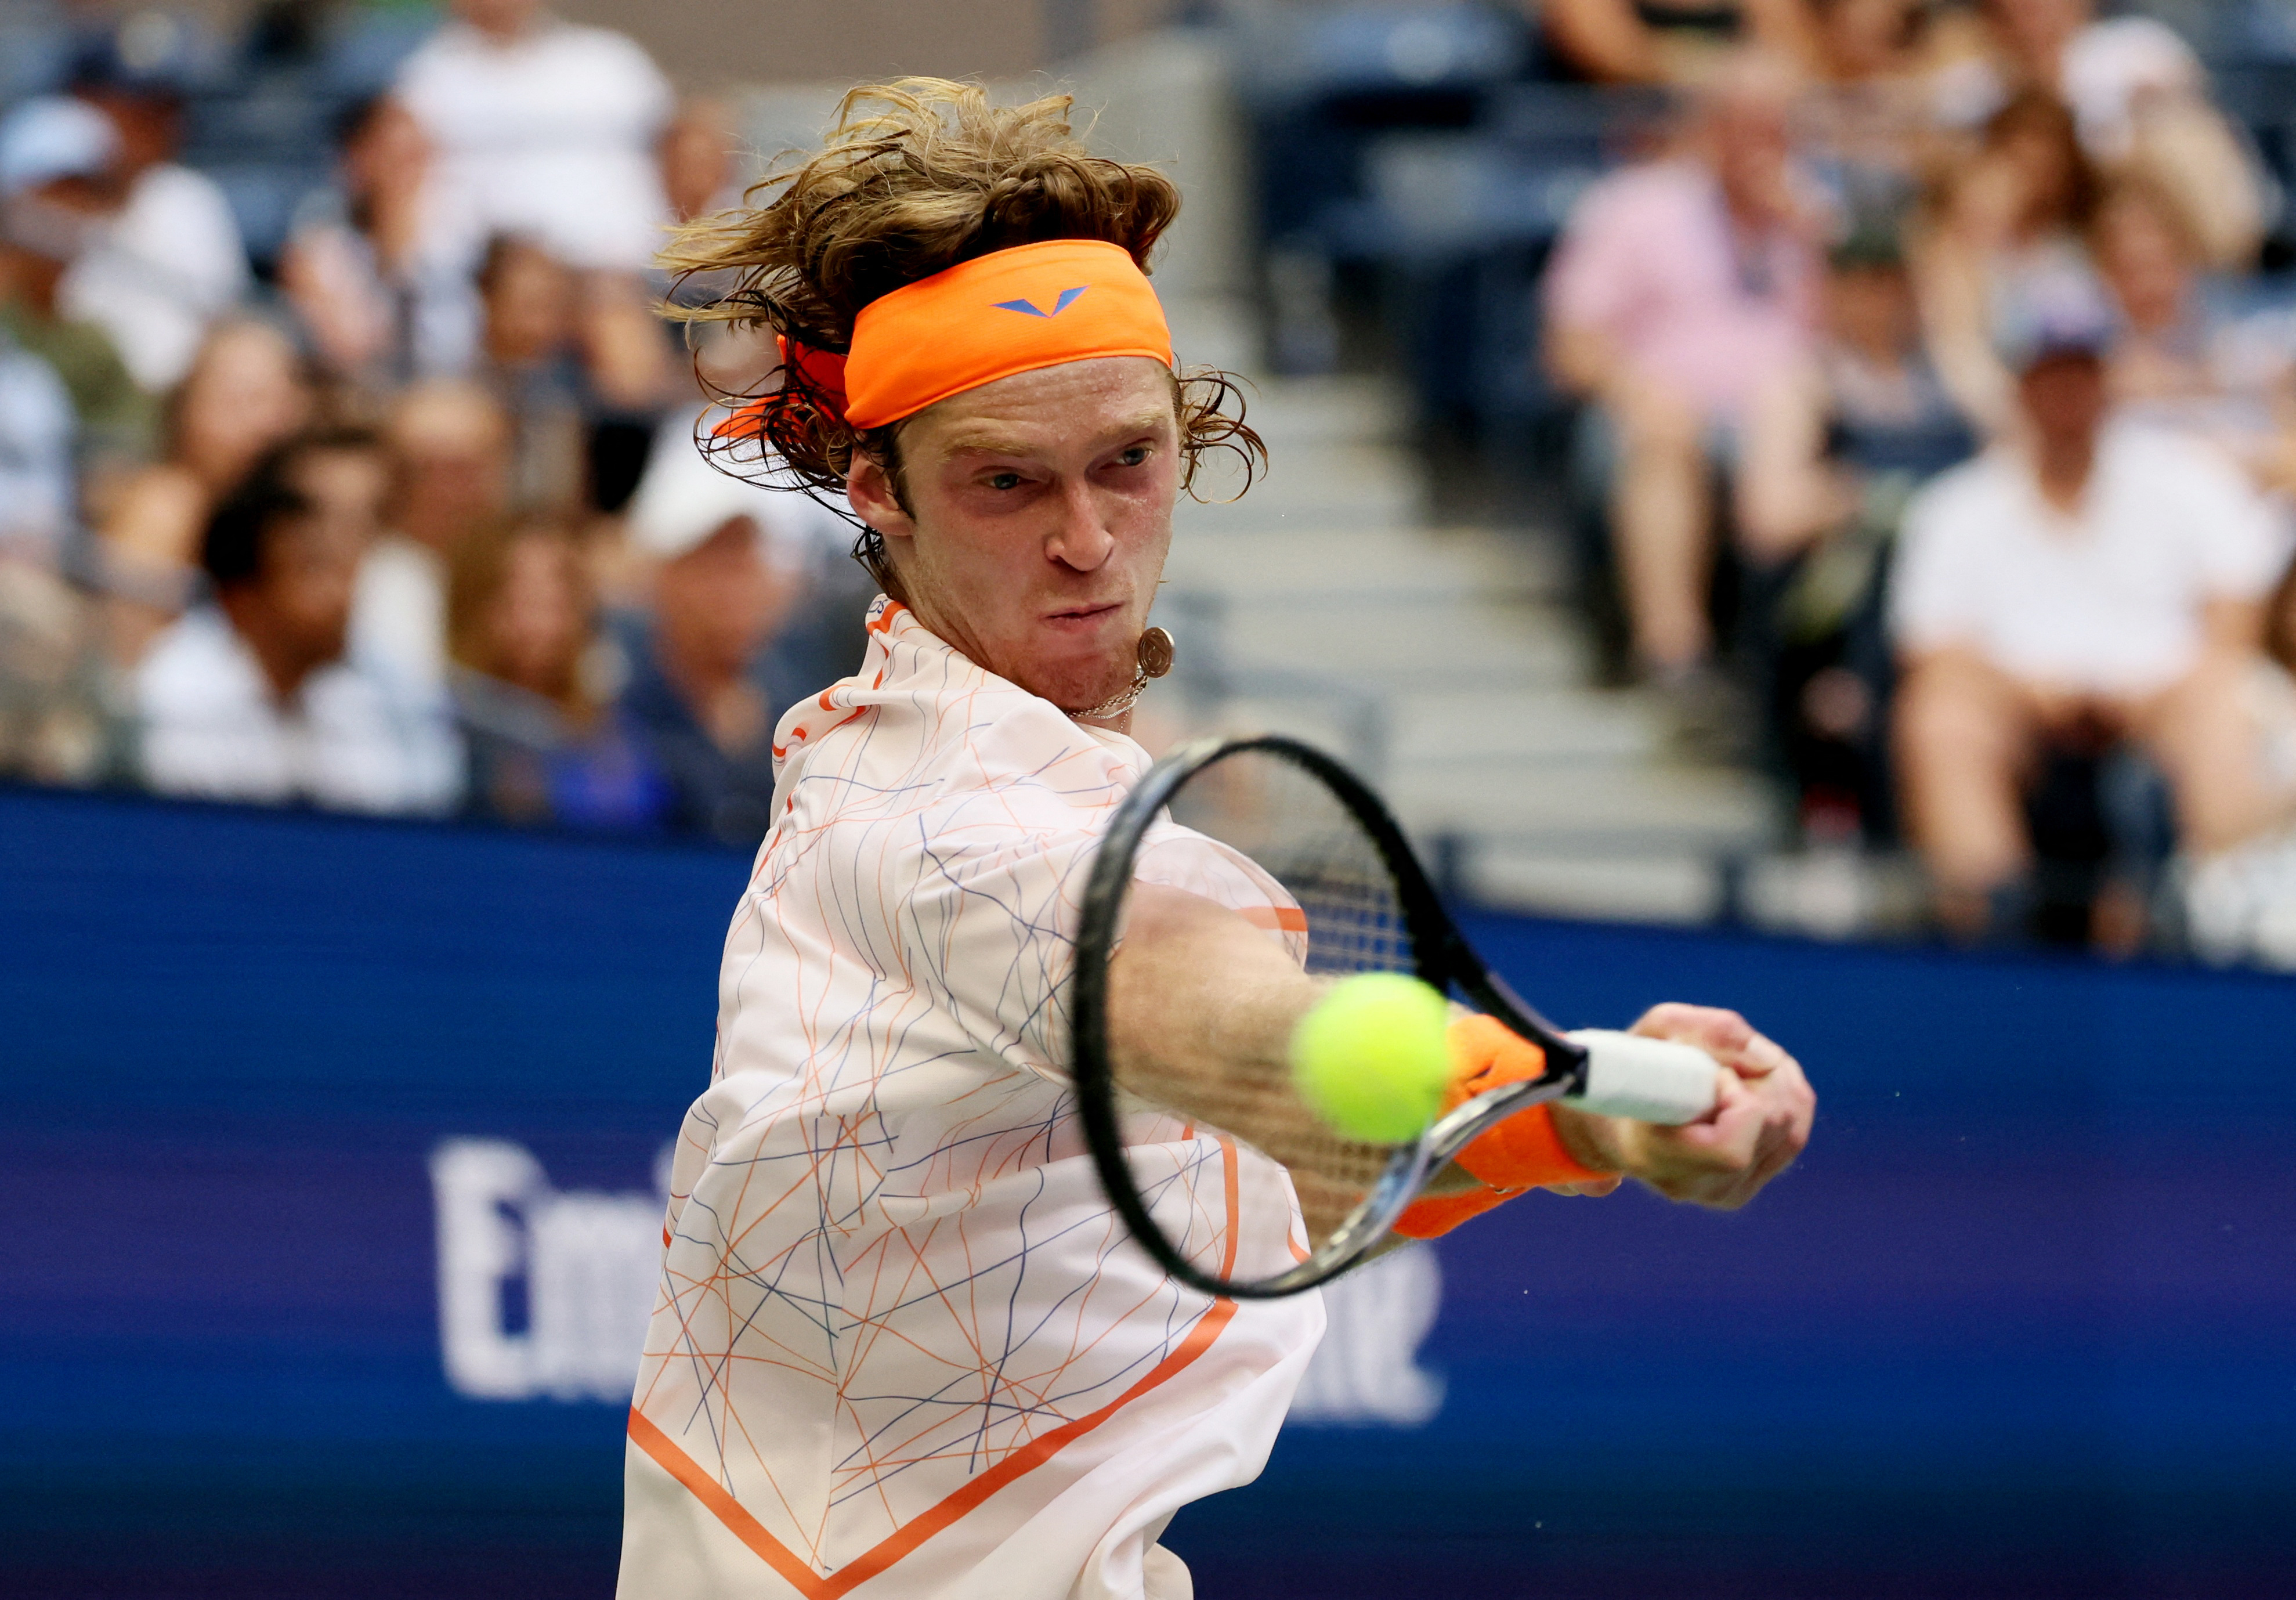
(533, 362)
(345, 475)
(698, 173)
(363, 266)
(247, 392)
(716, 661)
(1864, 122)
(2240, 903)
(2139, 97)
(1680, 291)
(824, 630)
(1670, 41)
(2185, 358)
(55, 192)
(58, 723)
(250, 697)
(170, 261)
(701, 176)
(1868, 402)
(544, 129)
(2013, 228)
(1832, 456)
(580, 363)
(450, 458)
(530, 685)
(55, 723)
(2083, 583)
(39, 499)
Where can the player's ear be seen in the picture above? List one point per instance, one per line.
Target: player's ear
(875, 493)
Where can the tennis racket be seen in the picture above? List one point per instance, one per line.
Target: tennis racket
(1273, 820)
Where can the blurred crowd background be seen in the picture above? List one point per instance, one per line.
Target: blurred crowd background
(346, 460)
(1912, 383)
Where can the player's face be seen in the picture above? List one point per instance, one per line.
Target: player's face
(1039, 513)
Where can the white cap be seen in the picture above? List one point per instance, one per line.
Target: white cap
(683, 499)
(50, 137)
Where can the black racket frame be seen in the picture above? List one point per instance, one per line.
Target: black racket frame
(1444, 959)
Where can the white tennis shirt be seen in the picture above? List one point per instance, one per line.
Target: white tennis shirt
(902, 1346)
(2107, 600)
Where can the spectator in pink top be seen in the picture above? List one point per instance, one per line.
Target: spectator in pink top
(1680, 290)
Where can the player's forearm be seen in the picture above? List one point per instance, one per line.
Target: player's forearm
(1197, 994)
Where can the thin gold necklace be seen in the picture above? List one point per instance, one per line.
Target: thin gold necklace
(1152, 659)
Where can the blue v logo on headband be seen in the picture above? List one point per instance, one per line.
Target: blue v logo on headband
(1068, 298)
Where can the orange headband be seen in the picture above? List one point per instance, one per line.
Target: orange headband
(1014, 311)
(1011, 311)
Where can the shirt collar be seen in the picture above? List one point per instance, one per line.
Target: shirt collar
(906, 661)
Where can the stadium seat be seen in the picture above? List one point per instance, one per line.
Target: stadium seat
(1321, 87)
(361, 57)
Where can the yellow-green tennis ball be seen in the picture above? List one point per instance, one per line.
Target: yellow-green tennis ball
(1374, 1056)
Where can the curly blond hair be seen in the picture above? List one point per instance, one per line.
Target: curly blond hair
(916, 176)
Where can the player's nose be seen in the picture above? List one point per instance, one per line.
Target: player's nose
(1081, 537)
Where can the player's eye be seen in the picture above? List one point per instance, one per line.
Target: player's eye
(1133, 456)
(1005, 480)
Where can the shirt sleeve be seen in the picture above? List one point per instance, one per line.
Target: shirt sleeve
(2240, 544)
(197, 236)
(1931, 589)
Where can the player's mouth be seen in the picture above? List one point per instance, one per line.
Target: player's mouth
(1080, 618)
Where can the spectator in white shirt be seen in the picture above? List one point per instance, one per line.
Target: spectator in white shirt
(2085, 581)
(251, 698)
(171, 262)
(545, 129)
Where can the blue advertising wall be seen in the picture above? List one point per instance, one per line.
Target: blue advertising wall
(2022, 1322)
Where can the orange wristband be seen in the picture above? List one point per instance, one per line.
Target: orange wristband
(1431, 1216)
(1519, 1153)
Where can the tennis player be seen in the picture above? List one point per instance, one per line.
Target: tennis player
(903, 1348)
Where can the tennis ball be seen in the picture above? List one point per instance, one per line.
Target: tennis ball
(1372, 1058)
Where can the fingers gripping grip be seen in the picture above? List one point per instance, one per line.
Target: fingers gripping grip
(1647, 1079)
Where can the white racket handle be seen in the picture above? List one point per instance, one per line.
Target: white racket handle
(1649, 1080)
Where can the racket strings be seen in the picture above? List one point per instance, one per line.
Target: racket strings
(1299, 833)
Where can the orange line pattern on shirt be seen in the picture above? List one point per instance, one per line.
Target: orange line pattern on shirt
(891, 1286)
